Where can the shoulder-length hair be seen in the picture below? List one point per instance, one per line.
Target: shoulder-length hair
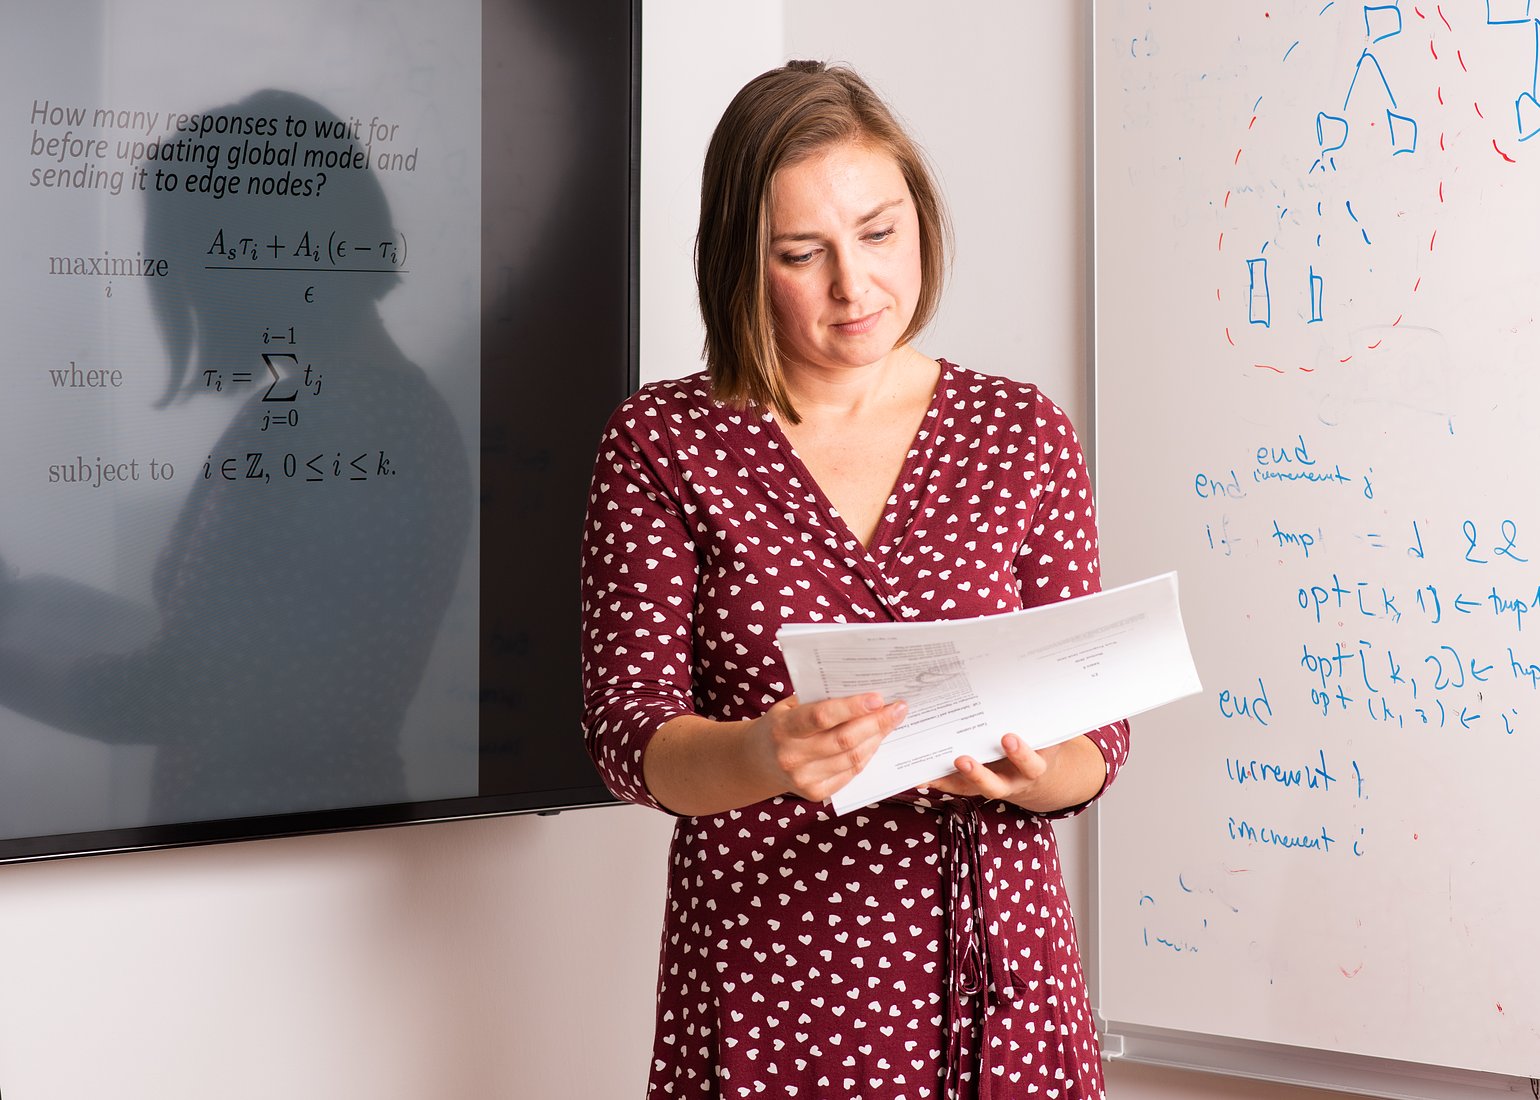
(781, 118)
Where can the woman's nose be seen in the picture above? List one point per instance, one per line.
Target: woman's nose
(850, 278)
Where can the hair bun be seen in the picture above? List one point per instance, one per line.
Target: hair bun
(806, 66)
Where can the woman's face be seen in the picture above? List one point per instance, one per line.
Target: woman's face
(844, 263)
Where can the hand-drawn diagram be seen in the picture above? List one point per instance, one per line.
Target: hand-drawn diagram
(1334, 209)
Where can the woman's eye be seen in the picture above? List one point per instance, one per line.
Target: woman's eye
(880, 235)
(797, 259)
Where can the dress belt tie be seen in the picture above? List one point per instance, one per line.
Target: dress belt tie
(977, 978)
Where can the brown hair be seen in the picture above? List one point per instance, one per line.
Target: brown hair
(779, 118)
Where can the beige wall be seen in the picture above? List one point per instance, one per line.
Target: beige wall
(514, 958)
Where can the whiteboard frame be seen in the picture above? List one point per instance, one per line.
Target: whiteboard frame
(1196, 1051)
(1290, 1065)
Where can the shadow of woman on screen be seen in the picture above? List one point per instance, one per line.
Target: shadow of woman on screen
(300, 590)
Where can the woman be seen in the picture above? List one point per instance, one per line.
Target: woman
(822, 468)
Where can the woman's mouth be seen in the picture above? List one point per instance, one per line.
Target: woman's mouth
(860, 326)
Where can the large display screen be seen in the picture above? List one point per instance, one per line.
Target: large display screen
(313, 312)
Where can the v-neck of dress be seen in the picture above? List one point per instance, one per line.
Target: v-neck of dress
(902, 499)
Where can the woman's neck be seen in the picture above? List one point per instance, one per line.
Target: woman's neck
(899, 380)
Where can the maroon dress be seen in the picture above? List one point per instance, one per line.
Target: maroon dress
(919, 947)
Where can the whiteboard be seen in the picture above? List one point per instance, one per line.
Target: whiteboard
(1317, 397)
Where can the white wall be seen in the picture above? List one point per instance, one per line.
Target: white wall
(515, 958)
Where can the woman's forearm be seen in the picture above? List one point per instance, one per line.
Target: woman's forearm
(696, 767)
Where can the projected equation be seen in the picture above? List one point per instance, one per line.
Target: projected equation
(309, 251)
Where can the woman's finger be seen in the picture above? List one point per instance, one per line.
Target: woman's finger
(819, 746)
(1028, 762)
(1005, 779)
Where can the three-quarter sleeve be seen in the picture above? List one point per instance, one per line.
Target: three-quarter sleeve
(1060, 558)
(639, 578)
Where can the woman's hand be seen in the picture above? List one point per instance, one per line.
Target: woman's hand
(814, 749)
(695, 766)
(1038, 780)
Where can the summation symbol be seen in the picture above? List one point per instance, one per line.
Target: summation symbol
(287, 378)
(272, 369)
